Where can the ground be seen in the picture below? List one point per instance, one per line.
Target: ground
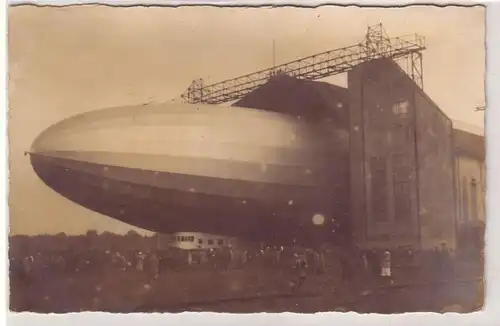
(238, 291)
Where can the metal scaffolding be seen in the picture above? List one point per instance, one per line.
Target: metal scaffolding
(375, 45)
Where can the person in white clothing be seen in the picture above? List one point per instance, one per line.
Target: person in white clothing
(140, 262)
(386, 264)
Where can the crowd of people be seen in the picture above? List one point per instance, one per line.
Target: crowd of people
(37, 269)
(342, 266)
(346, 263)
(36, 266)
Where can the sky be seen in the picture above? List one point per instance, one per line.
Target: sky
(70, 60)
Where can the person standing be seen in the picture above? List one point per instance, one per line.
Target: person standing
(301, 269)
(140, 262)
(444, 262)
(386, 272)
(345, 271)
(277, 255)
(154, 263)
(27, 265)
(373, 260)
(364, 260)
(366, 272)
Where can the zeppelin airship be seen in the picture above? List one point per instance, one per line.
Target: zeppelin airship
(241, 172)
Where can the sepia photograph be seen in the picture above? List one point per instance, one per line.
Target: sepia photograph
(246, 160)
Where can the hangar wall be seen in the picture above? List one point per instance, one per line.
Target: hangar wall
(395, 171)
(470, 181)
(436, 174)
(471, 186)
(470, 154)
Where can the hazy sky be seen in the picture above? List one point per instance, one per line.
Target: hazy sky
(64, 61)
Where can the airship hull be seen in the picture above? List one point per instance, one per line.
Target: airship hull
(239, 172)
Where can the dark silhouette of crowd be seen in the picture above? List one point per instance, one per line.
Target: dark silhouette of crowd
(35, 263)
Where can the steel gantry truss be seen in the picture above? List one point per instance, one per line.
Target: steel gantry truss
(375, 45)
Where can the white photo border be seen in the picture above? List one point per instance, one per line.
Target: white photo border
(488, 316)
